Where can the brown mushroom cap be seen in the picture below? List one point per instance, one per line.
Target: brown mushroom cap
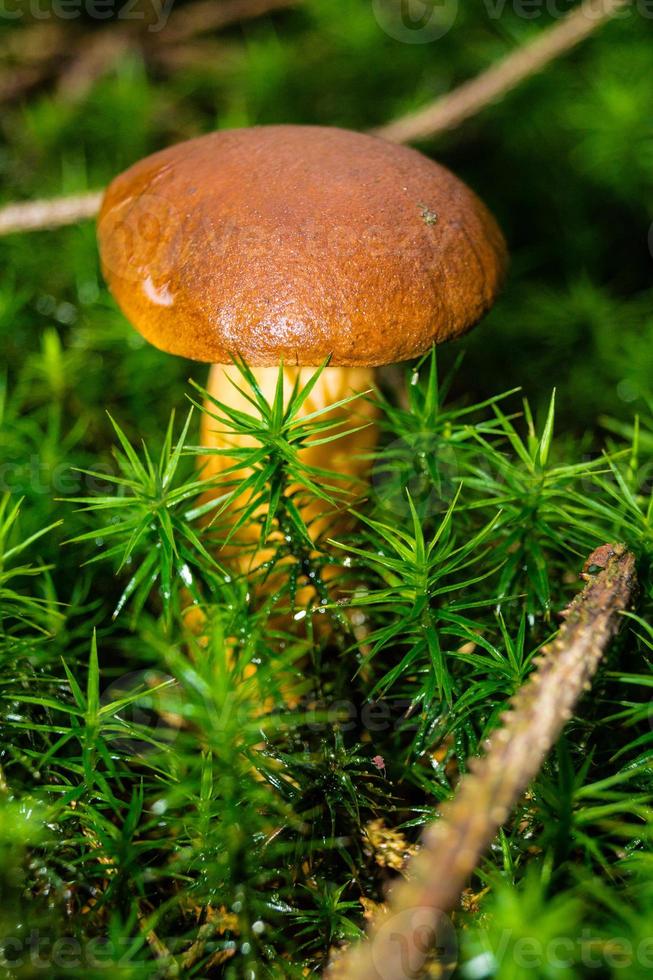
(296, 243)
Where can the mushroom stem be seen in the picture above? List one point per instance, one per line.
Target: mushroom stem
(347, 457)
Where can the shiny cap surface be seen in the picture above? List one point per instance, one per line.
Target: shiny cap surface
(297, 243)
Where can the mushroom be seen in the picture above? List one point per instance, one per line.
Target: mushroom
(290, 245)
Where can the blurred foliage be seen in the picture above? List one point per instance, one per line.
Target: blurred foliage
(183, 805)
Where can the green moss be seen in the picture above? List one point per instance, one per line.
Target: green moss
(147, 802)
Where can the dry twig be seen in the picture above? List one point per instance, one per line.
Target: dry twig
(79, 58)
(28, 57)
(95, 57)
(452, 845)
(473, 96)
(445, 113)
(207, 15)
(33, 215)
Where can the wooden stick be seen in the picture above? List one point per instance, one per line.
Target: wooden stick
(49, 213)
(443, 114)
(473, 96)
(97, 52)
(398, 944)
(207, 15)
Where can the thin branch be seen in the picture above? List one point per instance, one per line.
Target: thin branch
(452, 846)
(28, 57)
(473, 96)
(49, 214)
(443, 114)
(96, 55)
(93, 53)
(98, 52)
(207, 15)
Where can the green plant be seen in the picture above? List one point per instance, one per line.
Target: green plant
(196, 804)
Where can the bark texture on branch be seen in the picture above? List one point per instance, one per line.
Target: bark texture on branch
(77, 58)
(397, 947)
(445, 113)
(468, 99)
(207, 15)
(33, 215)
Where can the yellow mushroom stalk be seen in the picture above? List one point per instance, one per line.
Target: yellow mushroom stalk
(347, 457)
